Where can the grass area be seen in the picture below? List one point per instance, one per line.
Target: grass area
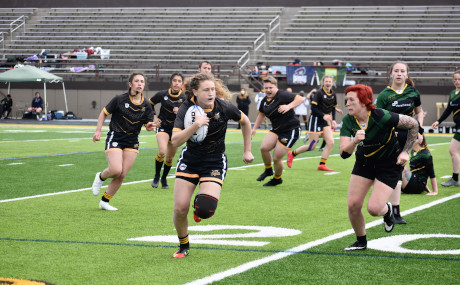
(65, 239)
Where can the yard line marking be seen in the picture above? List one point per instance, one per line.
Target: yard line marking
(134, 182)
(331, 173)
(65, 165)
(298, 249)
(15, 163)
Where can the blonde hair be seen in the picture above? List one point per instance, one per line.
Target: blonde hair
(327, 76)
(271, 79)
(193, 83)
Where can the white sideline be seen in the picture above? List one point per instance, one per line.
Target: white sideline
(127, 183)
(252, 264)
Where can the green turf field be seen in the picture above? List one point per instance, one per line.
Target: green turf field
(52, 230)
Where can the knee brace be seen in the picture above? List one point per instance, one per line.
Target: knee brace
(205, 205)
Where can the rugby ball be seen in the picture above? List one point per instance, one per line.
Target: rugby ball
(189, 119)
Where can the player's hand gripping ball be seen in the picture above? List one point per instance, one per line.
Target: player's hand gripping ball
(189, 119)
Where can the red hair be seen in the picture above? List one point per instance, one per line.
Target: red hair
(364, 94)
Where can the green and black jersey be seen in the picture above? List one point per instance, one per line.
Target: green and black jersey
(403, 102)
(168, 101)
(421, 165)
(453, 107)
(380, 142)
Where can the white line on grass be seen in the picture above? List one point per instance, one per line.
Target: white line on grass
(253, 264)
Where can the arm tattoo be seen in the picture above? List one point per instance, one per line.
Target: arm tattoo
(410, 124)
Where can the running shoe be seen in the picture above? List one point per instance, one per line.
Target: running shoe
(399, 220)
(323, 167)
(155, 181)
(274, 182)
(450, 182)
(164, 183)
(182, 252)
(97, 184)
(265, 174)
(290, 159)
(356, 246)
(389, 219)
(106, 206)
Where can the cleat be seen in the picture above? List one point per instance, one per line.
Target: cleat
(155, 182)
(265, 174)
(306, 138)
(356, 246)
(323, 167)
(290, 159)
(389, 219)
(97, 184)
(321, 149)
(105, 206)
(399, 220)
(182, 252)
(164, 183)
(196, 218)
(450, 182)
(274, 182)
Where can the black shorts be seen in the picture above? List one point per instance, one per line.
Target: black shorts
(167, 130)
(121, 141)
(316, 124)
(414, 186)
(199, 168)
(289, 138)
(387, 173)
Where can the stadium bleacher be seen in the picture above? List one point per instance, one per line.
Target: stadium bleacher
(372, 38)
(171, 38)
(161, 40)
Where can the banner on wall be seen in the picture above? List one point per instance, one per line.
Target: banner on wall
(339, 73)
(300, 75)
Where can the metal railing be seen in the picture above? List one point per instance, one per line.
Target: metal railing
(3, 43)
(14, 25)
(244, 56)
(275, 23)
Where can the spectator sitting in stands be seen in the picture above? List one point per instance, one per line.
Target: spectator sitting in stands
(296, 62)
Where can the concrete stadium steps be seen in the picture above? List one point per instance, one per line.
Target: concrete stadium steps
(371, 37)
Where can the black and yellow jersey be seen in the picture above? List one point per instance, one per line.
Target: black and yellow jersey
(127, 116)
(421, 164)
(168, 101)
(280, 122)
(323, 103)
(380, 142)
(403, 102)
(453, 107)
(218, 115)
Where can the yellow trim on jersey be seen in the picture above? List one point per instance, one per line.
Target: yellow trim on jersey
(399, 93)
(367, 121)
(174, 95)
(131, 99)
(177, 130)
(456, 112)
(150, 100)
(328, 94)
(105, 111)
(371, 154)
(413, 170)
(314, 102)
